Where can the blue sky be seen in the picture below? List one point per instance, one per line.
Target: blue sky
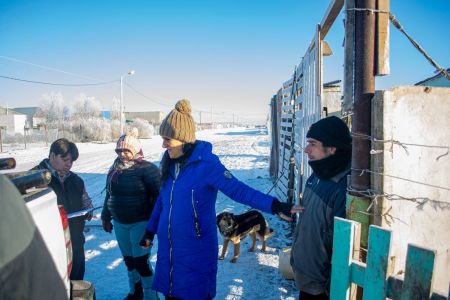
(229, 55)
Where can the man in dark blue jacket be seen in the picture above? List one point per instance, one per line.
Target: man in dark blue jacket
(329, 151)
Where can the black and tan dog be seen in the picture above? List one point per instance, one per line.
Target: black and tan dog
(235, 227)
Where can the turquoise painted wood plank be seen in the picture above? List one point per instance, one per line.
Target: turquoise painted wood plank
(437, 296)
(418, 273)
(394, 288)
(344, 231)
(357, 273)
(375, 283)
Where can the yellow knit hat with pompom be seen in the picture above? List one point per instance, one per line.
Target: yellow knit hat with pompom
(179, 124)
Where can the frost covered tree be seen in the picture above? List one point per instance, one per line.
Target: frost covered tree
(52, 107)
(146, 130)
(93, 129)
(85, 107)
(115, 111)
(115, 129)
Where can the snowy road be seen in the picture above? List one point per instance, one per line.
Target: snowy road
(245, 152)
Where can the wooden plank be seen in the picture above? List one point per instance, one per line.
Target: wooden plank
(287, 107)
(287, 115)
(349, 57)
(286, 124)
(281, 193)
(341, 259)
(319, 60)
(356, 275)
(358, 270)
(355, 205)
(382, 66)
(330, 16)
(418, 273)
(395, 287)
(375, 284)
(377, 161)
(283, 184)
(436, 296)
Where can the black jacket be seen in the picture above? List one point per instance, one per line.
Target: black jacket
(130, 198)
(323, 200)
(69, 193)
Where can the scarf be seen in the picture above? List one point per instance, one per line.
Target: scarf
(118, 167)
(331, 165)
(182, 160)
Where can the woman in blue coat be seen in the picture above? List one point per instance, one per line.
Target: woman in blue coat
(184, 216)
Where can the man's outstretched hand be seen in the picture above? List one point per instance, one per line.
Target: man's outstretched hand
(285, 210)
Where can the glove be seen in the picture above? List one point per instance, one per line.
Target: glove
(107, 226)
(281, 208)
(147, 239)
(89, 216)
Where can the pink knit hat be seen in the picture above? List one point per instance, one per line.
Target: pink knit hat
(129, 142)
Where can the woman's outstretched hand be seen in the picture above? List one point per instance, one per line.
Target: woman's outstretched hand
(147, 239)
(107, 226)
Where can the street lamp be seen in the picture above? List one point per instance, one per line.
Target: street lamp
(121, 99)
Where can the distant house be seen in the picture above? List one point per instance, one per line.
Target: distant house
(106, 114)
(12, 121)
(153, 117)
(436, 80)
(30, 112)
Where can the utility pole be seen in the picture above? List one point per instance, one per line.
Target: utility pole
(121, 100)
(364, 89)
(121, 105)
(363, 92)
(1, 139)
(212, 123)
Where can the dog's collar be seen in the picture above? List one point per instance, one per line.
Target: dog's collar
(230, 229)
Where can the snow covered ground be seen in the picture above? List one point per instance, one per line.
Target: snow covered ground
(245, 152)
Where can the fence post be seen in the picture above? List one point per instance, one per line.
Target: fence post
(375, 278)
(1, 140)
(343, 237)
(418, 273)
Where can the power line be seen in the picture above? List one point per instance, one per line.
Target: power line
(58, 84)
(47, 68)
(400, 178)
(145, 96)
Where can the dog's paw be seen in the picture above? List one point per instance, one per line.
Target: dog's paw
(221, 257)
(251, 249)
(234, 260)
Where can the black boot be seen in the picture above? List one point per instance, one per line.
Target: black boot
(138, 293)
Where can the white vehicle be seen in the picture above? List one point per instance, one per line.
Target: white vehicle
(52, 223)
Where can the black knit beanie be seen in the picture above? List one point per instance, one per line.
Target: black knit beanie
(332, 132)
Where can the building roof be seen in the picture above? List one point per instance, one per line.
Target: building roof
(4, 111)
(432, 78)
(30, 111)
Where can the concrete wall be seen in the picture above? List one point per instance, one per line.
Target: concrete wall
(331, 100)
(13, 123)
(414, 115)
(154, 117)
